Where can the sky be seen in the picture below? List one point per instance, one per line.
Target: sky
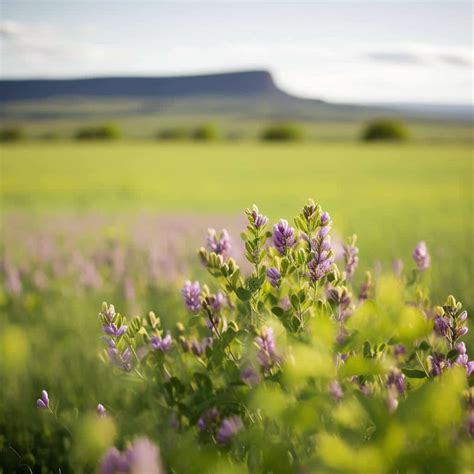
(359, 51)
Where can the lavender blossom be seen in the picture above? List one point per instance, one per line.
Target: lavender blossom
(463, 359)
(113, 330)
(322, 255)
(256, 219)
(141, 457)
(267, 355)
(113, 462)
(396, 380)
(228, 429)
(191, 294)
(208, 420)
(249, 376)
(217, 301)
(274, 277)
(335, 390)
(163, 345)
(101, 409)
(283, 236)
(108, 311)
(43, 402)
(123, 360)
(421, 256)
(218, 243)
(351, 258)
(438, 363)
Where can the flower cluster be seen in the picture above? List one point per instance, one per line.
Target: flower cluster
(283, 236)
(322, 256)
(351, 257)
(191, 293)
(267, 354)
(421, 256)
(141, 457)
(218, 243)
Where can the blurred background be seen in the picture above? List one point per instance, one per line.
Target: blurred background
(128, 128)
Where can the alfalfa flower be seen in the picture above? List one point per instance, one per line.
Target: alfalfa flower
(256, 220)
(267, 355)
(283, 236)
(142, 456)
(351, 257)
(218, 243)
(322, 255)
(228, 429)
(101, 410)
(421, 256)
(274, 277)
(191, 293)
(43, 402)
(161, 344)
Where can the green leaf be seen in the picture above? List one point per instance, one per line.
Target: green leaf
(243, 294)
(277, 311)
(424, 346)
(414, 373)
(452, 355)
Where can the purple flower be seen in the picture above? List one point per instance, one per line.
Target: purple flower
(219, 244)
(112, 330)
(255, 218)
(113, 462)
(421, 256)
(438, 363)
(141, 457)
(144, 456)
(228, 429)
(101, 409)
(325, 219)
(441, 325)
(208, 420)
(283, 236)
(191, 294)
(249, 376)
(463, 359)
(399, 349)
(122, 361)
(322, 256)
(274, 277)
(43, 402)
(163, 345)
(217, 301)
(199, 348)
(108, 311)
(351, 258)
(335, 390)
(396, 380)
(267, 355)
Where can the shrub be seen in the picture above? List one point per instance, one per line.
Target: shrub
(99, 132)
(12, 134)
(385, 130)
(206, 132)
(172, 134)
(282, 132)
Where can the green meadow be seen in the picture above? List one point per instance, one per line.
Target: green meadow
(392, 196)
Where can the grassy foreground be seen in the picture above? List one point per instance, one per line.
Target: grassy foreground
(392, 196)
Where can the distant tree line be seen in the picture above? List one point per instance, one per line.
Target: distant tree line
(383, 129)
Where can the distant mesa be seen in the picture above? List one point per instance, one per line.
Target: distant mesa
(245, 83)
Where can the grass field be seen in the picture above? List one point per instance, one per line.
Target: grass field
(391, 196)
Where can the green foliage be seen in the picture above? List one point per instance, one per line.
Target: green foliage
(320, 395)
(99, 132)
(176, 133)
(283, 132)
(386, 130)
(12, 134)
(207, 132)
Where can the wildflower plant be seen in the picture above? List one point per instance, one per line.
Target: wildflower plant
(291, 366)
